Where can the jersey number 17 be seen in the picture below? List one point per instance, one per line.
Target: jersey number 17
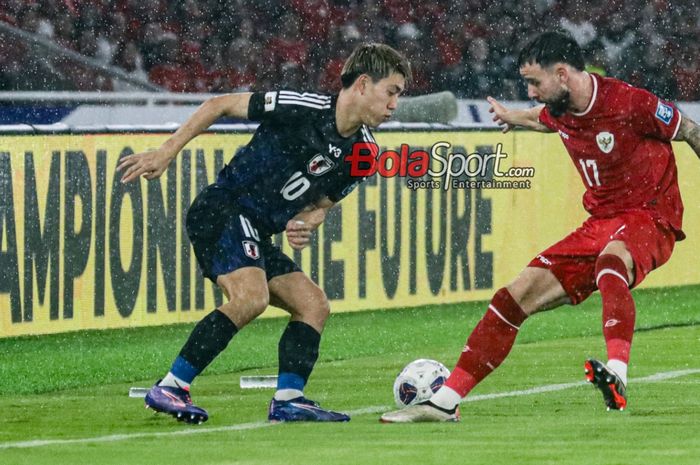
(585, 165)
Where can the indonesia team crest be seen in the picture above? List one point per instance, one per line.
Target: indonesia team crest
(606, 141)
(251, 249)
(319, 164)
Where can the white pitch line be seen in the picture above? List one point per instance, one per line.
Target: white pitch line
(364, 411)
(667, 375)
(123, 437)
(560, 387)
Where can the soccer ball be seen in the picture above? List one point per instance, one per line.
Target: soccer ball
(418, 381)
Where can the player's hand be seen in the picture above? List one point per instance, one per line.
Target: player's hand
(298, 233)
(500, 114)
(150, 165)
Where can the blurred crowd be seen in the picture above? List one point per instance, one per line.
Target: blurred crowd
(467, 46)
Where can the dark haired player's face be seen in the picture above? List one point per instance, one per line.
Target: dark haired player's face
(544, 85)
(381, 98)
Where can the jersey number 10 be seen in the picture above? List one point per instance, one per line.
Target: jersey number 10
(295, 186)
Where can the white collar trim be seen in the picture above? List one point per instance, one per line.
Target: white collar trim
(593, 97)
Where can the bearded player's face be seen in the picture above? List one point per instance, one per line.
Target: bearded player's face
(545, 85)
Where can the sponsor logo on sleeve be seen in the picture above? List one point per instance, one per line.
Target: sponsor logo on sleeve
(270, 101)
(664, 113)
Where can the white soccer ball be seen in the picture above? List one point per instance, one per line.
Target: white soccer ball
(418, 381)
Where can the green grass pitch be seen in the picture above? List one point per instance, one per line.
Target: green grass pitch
(63, 398)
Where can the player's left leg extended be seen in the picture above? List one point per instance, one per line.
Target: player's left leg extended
(298, 348)
(614, 271)
(639, 244)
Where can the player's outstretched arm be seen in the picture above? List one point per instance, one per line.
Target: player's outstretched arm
(689, 132)
(508, 119)
(153, 163)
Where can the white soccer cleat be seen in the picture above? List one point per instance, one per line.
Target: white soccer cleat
(421, 413)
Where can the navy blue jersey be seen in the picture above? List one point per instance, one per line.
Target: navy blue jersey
(295, 158)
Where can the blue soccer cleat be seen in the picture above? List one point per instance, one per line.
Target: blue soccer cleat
(176, 402)
(302, 409)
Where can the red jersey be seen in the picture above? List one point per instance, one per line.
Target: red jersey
(621, 147)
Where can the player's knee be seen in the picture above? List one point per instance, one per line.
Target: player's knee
(614, 251)
(524, 293)
(317, 307)
(618, 248)
(323, 309)
(250, 302)
(258, 302)
(537, 289)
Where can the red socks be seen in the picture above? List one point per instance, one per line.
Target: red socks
(618, 306)
(489, 343)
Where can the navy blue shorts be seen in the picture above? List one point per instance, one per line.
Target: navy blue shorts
(224, 239)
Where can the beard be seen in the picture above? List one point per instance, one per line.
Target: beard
(558, 105)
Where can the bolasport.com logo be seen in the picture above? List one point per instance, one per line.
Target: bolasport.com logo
(439, 167)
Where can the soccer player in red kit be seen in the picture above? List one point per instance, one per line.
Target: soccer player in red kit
(619, 139)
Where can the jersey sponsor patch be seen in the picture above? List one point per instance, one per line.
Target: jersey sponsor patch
(251, 249)
(606, 141)
(664, 113)
(270, 101)
(319, 164)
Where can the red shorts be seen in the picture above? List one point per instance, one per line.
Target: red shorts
(572, 260)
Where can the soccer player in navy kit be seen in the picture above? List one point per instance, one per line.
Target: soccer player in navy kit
(285, 179)
(619, 139)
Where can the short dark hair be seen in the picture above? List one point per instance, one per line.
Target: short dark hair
(378, 61)
(552, 47)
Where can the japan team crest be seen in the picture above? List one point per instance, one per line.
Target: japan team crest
(319, 164)
(606, 141)
(251, 249)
